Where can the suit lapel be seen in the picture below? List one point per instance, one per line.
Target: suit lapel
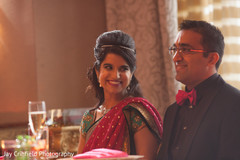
(204, 104)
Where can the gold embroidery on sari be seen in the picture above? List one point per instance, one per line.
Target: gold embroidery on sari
(149, 119)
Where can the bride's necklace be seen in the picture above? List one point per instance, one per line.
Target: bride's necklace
(103, 109)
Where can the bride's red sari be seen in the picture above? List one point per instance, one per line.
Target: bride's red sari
(109, 132)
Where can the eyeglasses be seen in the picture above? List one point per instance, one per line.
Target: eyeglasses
(184, 51)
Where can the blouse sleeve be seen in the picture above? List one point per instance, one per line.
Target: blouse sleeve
(86, 122)
(137, 122)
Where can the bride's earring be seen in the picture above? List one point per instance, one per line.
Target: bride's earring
(99, 83)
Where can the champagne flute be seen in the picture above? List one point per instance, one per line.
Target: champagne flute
(37, 117)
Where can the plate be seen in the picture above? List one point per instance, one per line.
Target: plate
(130, 157)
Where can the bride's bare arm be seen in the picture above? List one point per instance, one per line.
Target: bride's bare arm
(82, 142)
(146, 144)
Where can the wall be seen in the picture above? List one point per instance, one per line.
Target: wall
(45, 49)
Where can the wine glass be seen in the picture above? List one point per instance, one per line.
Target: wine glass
(37, 117)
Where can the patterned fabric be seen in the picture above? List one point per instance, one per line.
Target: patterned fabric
(137, 122)
(109, 132)
(88, 120)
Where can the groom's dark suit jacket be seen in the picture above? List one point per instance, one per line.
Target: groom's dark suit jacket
(215, 130)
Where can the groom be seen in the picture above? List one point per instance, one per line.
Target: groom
(204, 122)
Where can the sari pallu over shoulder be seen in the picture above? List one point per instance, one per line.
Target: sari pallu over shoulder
(109, 132)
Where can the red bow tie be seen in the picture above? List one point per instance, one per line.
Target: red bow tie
(182, 96)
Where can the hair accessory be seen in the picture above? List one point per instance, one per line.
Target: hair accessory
(107, 46)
